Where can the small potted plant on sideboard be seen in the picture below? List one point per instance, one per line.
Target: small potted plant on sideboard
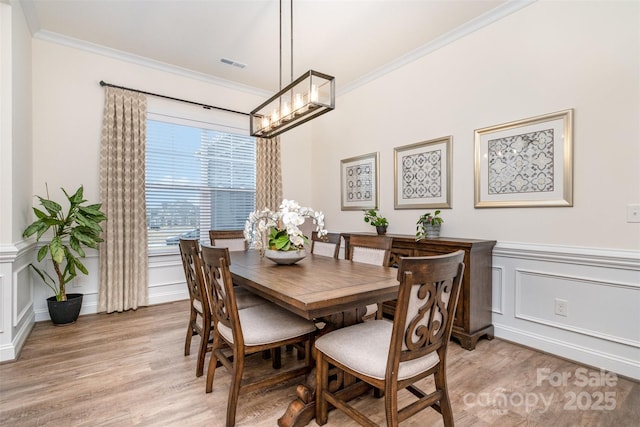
(379, 222)
(428, 226)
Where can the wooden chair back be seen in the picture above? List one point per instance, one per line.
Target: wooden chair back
(219, 285)
(200, 311)
(192, 264)
(327, 245)
(232, 239)
(370, 249)
(426, 307)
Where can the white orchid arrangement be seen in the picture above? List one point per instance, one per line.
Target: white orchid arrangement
(265, 229)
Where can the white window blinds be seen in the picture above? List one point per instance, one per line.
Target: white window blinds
(197, 179)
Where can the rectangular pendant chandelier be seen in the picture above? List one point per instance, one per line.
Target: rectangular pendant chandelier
(309, 96)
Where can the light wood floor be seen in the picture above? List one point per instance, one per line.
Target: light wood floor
(129, 369)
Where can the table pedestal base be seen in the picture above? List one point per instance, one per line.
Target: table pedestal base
(302, 410)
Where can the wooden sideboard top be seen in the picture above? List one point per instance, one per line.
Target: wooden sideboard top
(443, 240)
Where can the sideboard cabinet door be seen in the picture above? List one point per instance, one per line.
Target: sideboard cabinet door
(473, 314)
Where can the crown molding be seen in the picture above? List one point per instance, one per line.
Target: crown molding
(507, 8)
(144, 61)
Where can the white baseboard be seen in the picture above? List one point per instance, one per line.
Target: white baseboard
(588, 356)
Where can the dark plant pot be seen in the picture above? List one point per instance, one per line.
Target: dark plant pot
(65, 312)
(381, 229)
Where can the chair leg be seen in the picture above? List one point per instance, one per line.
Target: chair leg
(213, 363)
(190, 332)
(391, 405)
(187, 341)
(440, 379)
(322, 383)
(234, 387)
(276, 358)
(202, 351)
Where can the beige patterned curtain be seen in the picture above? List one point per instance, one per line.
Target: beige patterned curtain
(268, 173)
(123, 254)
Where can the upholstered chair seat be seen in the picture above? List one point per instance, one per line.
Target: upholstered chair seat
(246, 299)
(267, 323)
(369, 356)
(327, 245)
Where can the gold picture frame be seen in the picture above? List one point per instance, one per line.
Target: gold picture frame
(422, 174)
(525, 163)
(359, 182)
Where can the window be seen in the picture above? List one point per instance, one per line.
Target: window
(197, 179)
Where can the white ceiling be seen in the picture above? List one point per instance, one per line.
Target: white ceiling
(353, 40)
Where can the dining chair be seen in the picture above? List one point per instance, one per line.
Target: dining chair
(248, 331)
(232, 239)
(374, 250)
(327, 245)
(392, 356)
(200, 312)
(200, 318)
(235, 241)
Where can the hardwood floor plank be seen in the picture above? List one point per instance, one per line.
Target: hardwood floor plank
(128, 369)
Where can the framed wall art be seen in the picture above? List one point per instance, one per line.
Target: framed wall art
(422, 178)
(359, 182)
(525, 163)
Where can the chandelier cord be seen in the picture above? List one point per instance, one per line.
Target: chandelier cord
(280, 38)
(291, 35)
(290, 43)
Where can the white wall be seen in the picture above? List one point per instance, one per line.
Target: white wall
(16, 314)
(547, 57)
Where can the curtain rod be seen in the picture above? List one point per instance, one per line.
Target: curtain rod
(205, 106)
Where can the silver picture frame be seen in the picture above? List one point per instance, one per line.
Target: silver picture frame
(525, 163)
(422, 174)
(359, 182)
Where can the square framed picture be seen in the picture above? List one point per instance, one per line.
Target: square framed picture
(525, 163)
(359, 182)
(422, 178)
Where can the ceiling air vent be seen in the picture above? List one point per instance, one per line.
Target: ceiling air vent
(232, 62)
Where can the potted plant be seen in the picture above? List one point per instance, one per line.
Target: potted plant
(277, 234)
(379, 222)
(428, 226)
(77, 227)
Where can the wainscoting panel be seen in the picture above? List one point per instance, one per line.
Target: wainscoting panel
(24, 295)
(16, 298)
(166, 279)
(497, 301)
(601, 291)
(608, 320)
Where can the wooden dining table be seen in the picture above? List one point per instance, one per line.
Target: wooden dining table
(316, 287)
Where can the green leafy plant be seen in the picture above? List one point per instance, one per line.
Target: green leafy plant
(425, 221)
(279, 230)
(79, 227)
(371, 216)
(279, 240)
